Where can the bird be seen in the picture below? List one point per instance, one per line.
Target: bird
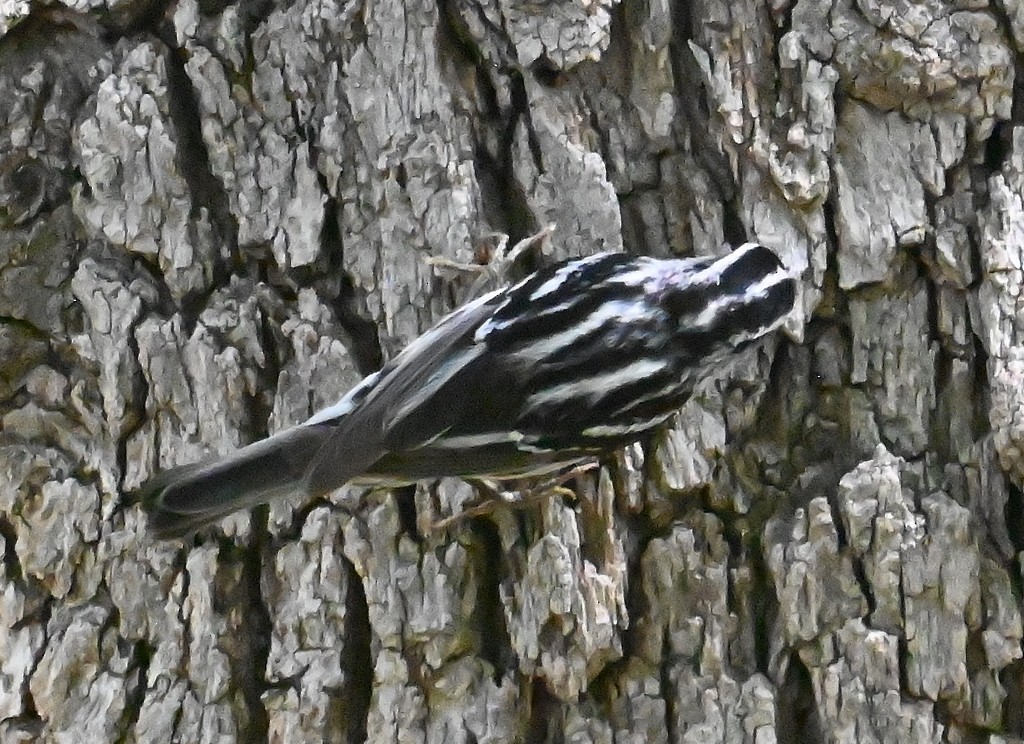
(576, 360)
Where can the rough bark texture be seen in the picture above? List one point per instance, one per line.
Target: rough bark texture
(215, 217)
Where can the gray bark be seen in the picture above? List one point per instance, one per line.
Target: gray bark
(215, 218)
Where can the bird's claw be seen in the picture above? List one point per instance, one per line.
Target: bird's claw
(494, 272)
(521, 499)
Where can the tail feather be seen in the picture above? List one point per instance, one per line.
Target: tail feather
(184, 499)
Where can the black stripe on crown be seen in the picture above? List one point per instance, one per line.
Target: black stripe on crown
(753, 263)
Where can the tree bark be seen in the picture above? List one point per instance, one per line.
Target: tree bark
(215, 218)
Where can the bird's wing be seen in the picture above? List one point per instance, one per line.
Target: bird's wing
(413, 399)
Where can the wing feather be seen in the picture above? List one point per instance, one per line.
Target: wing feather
(401, 410)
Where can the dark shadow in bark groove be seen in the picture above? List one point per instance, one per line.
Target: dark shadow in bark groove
(365, 348)
(135, 696)
(669, 689)
(134, 19)
(248, 645)
(764, 610)
(1013, 512)
(544, 714)
(797, 719)
(351, 708)
(980, 398)
(692, 100)
(489, 614)
(1012, 679)
(405, 505)
(191, 156)
(12, 568)
(521, 115)
(998, 146)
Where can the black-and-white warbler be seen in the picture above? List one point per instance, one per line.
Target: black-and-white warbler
(575, 360)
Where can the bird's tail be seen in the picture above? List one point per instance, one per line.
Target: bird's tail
(186, 498)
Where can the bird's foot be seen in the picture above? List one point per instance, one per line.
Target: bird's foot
(495, 497)
(493, 273)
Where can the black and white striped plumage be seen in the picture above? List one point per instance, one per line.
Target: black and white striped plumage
(576, 359)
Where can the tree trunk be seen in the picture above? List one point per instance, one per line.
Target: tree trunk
(216, 218)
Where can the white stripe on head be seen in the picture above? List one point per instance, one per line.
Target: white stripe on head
(756, 291)
(713, 273)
